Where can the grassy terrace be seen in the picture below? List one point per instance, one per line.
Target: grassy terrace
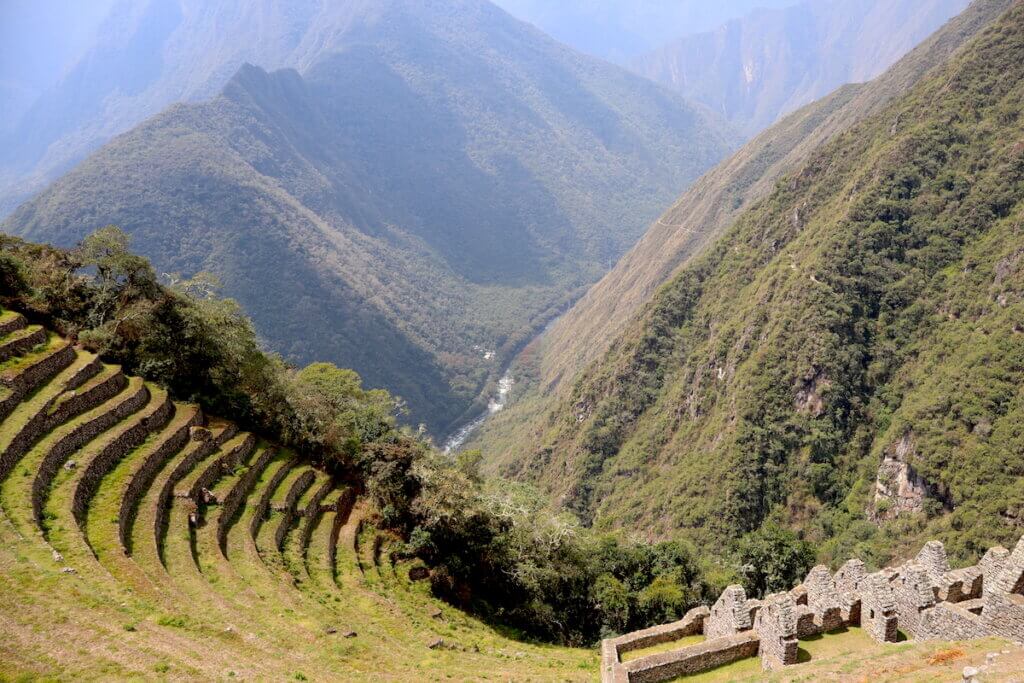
(663, 647)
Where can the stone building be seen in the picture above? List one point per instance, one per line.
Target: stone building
(776, 627)
(925, 598)
(878, 608)
(730, 614)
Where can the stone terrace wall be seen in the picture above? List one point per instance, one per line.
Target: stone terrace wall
(236, 496)
(146, 473)
(115, 451)
(299, 486)
(668, 665)
(72, 441)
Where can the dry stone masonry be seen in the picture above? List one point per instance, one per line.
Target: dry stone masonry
(925, 598)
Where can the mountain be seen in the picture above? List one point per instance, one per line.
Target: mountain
(621, 30)
(415, 203)
(700, 215)
(144, 56)
(845, 358)
(757, 68)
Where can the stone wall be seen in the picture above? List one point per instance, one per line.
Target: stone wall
(12, 324)
(22, 343)
(226, 462)
(990, 565)
(729, 614)
(232, 503)
(947, 621)
(201, 446)
(263, 507)
(312, 512)
(299, 486)
(76, 438)
(341, 514)
(878, 614)
(21, 381)
(823, 599)
(668, 665)
(849, 576)
(126, 440)
(924, 598)
(914, 594)
(692, 624)
(51, 414)
(776, 627)
(144, 475)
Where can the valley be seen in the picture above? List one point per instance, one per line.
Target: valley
(416, 340)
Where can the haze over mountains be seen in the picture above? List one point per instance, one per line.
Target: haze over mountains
(766, 64)
(622, 30)
(438, 181)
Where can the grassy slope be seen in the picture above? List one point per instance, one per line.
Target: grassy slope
(445, 168)
(872, 296)
(699, 217)
(211, 616)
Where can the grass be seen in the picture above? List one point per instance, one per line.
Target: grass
(851, 655)
(663, 647)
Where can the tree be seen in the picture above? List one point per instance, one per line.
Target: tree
(773, 559)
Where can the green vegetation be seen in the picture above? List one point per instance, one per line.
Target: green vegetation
(700, 217)
(870, 307)
(494, 549)
(388, 211)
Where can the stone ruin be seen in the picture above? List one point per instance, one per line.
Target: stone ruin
(924, 598)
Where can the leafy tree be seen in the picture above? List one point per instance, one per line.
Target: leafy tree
(773, 559)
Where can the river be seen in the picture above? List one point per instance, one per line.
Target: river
(495, 405)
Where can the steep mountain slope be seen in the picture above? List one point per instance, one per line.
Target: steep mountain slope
(586, 331)
(414, 205)
(848, 351)
(755, 69)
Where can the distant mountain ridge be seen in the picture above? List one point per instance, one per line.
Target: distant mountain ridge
(149, 54)
(771, 62)
(621, 30)
(415, 204)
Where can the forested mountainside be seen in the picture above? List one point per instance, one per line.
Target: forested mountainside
(846, 359)
(754, 69)
(415, 204)
(701, 214)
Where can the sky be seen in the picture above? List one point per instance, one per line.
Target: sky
(39, 38)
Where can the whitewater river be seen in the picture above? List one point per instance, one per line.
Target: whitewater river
(495, 405)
